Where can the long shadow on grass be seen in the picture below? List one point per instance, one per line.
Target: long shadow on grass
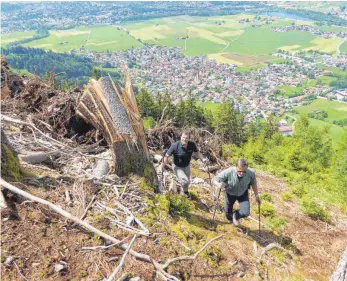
(266, 237)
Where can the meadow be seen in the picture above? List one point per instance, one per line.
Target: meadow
(11, 37)
(97, 38)
(335, 110)
(223, 38)
(343, 47)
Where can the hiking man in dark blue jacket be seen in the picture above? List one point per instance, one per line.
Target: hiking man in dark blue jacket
(182, 153)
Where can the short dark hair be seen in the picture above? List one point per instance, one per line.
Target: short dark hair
(185, 133)
(242, 163)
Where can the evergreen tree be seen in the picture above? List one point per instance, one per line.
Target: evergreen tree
(191, 110)
(95, 73)
(228, 123)
(158, 106)
(270, 127)
(146, 103)
(180, 118)
(170, 110)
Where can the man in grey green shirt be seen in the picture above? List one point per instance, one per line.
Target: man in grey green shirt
(236, 182)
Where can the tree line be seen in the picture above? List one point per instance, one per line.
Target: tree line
(226, 121)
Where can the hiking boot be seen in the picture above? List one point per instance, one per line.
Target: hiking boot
(235, 220)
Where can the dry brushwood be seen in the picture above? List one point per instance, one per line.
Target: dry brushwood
(160, 267)
(165, 133)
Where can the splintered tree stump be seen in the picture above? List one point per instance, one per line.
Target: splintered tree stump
(113, 110)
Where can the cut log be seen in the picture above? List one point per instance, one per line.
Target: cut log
(340, 273)
(114, 112)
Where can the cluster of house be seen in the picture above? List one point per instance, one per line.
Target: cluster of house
(166, 69)
(309, 28)
(339, 95)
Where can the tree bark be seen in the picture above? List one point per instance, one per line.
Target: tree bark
(340, 273)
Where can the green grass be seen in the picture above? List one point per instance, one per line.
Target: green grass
(343, 47)
(210, 106)
(336, 111)
(100, 38)
(205, 38)
(199, 46)
(330, 28)
(262, 40)
(254, 41)
(8, 38)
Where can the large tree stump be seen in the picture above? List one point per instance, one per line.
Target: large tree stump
(113, 110)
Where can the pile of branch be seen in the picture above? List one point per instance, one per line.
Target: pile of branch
(51, 110)
(164, 134)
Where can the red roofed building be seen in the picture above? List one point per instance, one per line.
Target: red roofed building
(286, 130)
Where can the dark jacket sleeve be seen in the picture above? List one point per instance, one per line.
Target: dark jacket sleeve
(195, 148)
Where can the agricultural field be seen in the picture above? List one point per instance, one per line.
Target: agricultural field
(229, 39)
(97, 38)
(8, 38)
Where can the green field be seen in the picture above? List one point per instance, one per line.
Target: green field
(8, 38)
(343, 47)
(206, 36)
(210, 106)
(335, 110)
(223, 38)
(97, 38)
(336, 132)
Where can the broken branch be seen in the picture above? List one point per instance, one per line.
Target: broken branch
(121, 263)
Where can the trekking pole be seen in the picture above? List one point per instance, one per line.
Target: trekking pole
(209, 176)
(216, 205)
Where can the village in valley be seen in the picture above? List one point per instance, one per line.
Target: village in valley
(166, 69)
